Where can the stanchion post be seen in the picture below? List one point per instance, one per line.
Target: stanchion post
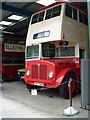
(70, 111)
(70, 91)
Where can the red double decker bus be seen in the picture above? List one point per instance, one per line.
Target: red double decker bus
(13, 58)
(57, 38)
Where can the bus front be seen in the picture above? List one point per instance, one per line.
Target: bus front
(41, 66)
(45, 27)
(56, 41)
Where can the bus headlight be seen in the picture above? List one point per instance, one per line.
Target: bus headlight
(50, 75)
(28, 73)
(18, 73)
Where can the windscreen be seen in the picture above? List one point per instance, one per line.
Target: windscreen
(32, 52)
(48, 50)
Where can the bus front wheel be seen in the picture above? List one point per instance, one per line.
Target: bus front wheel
(64, 88)
(29, 87)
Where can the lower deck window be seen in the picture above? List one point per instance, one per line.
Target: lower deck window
(48, 50)
(13, 60)
(70, 51)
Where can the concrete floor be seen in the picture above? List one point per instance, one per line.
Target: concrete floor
(17, 102)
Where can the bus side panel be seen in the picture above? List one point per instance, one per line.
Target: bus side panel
(11, 71)
(75, 32)
(13, 58)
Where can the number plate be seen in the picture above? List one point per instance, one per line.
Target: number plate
(38, 84)
(22, 77)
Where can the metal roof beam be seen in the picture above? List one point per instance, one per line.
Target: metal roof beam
(15, 9)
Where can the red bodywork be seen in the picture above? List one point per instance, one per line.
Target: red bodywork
(74, 4)
(39, 70)
(9, 70)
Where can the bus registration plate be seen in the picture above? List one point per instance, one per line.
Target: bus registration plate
(38, 84)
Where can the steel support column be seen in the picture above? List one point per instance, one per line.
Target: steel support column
(89, 25)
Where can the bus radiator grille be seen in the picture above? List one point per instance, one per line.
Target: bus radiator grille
(43, 72)
(35, 71)
(39, 72)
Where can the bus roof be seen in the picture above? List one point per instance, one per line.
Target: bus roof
(74, 4)
(49, 6)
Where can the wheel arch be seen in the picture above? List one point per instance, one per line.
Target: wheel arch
(61, 77)
(68, 73)
(65, 81)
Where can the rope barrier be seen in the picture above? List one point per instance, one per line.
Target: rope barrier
(70, 111)
(76, 81)
(3, 83)
(9, 85)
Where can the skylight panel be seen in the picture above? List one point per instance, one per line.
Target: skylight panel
(15, 17)
(46, 2)
(1, 27)
(5, 23)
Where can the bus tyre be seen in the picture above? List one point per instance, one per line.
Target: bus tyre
(29, 87)
(64, 89)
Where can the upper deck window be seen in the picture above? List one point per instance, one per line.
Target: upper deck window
(74, 13)
(80, 16)
(53, 12)
(38, 17)
(83, 18)
(71, 12)
(50, 13)
(68, 11)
